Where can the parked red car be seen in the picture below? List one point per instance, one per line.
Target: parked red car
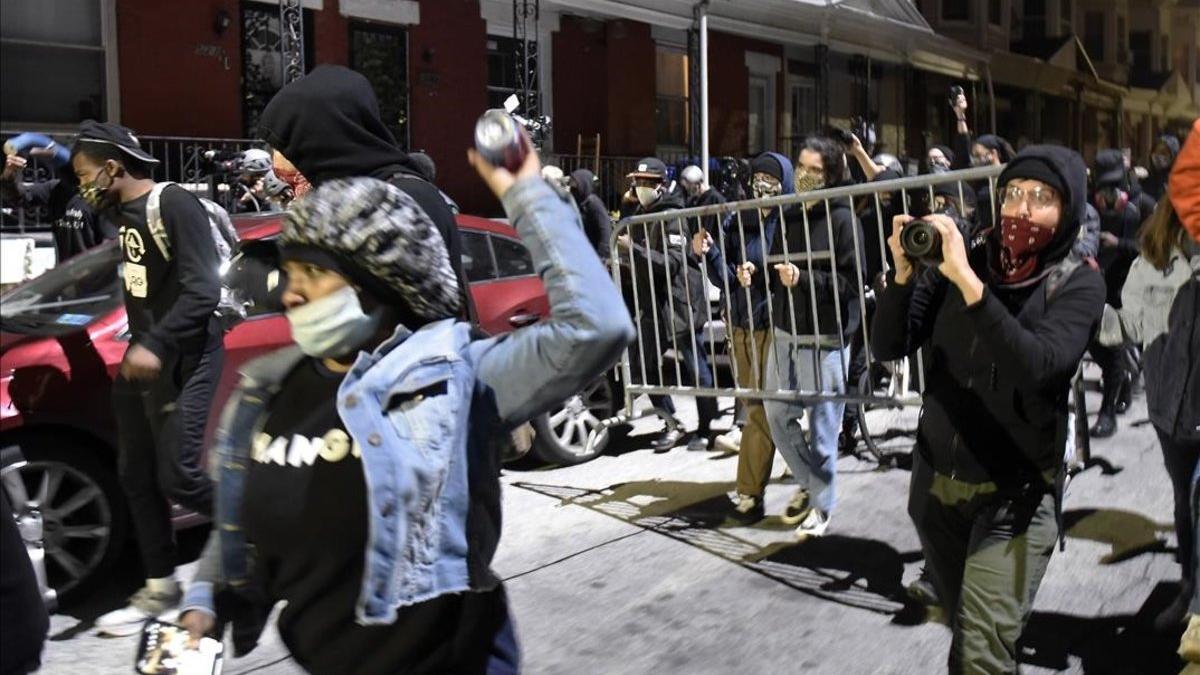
(62, 337)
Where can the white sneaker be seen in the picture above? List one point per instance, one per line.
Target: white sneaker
(730, 441)
(814, 525)
(143, 605)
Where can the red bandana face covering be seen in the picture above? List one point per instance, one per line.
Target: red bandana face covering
(1020, 243)
(299, 184)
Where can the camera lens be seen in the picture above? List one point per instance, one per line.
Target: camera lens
(921, 243)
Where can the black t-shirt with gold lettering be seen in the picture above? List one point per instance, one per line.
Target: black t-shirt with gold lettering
(305, 511)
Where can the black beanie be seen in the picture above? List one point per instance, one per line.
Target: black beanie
(1035, 168)
(765, 163)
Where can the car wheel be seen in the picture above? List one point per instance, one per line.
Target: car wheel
(562, 433)
(68, 494)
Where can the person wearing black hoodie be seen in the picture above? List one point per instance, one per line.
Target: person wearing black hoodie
(1162, 158)
(816, 312)
(669, 301)
(1003, 328)
(732, 255)
(326, 125)
(597, 223)
(1119, 223)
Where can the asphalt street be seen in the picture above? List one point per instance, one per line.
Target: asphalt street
(624, 565)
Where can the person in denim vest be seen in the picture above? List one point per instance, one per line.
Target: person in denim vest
(358, 472)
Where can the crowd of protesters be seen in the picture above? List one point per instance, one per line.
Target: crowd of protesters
(356, 473)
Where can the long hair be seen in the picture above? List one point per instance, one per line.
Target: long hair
(1160, 234)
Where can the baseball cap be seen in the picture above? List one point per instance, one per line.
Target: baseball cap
(649, 167)
(91, 131)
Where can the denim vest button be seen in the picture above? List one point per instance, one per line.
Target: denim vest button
(374, 439)
(351, 401)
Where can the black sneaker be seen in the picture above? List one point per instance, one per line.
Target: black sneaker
(797, 509)
(747, 510)
(1124, 395)
(1106, 425)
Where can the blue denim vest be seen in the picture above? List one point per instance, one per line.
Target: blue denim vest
(407, 411)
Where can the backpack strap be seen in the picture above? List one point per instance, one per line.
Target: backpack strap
(154, 221)
(1059, 275)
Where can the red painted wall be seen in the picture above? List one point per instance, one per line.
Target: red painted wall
(728, 91)
(579, 54)
(331, 35)
(167, 88)
(447, 93)
(630, 67)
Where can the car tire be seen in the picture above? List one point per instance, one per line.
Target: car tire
(562, 433)
(86, 524)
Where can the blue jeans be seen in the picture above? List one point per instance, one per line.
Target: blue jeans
(790, 366)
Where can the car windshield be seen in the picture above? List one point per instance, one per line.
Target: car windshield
(66, 297)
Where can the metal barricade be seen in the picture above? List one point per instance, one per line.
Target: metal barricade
(654, 263)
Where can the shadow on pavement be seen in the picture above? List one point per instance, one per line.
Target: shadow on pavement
(1112, 645)
(860, 573)
(1128, 534)
(123, 582)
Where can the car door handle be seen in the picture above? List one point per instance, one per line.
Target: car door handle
(519, 320)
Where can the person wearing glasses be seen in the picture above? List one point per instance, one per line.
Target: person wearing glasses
(1003, 328)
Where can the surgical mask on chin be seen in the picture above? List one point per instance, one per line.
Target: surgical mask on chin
(332, 326)
(646, 196)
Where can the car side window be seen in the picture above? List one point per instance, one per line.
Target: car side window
(477, 257)
(512, 258)
(255, 275)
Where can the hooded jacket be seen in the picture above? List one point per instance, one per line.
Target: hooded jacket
(834, 277)
(740, 240)
(328, 125)
(1155, 184)
(597, 224)
(998, 372)
(665, 279)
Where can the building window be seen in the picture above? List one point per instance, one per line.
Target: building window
(956, 10)
(757, 117)
(1033, 23)
(1139, 47)
(802, 108)
(1093, 35)
(502, 69)
(380, 53)
(671, 97)
(55, 62)
(1122, 41)
(1165, 51)
(262, 61)
(996, 12)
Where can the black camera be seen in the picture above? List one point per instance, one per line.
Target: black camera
(922, 243)
(955, 92)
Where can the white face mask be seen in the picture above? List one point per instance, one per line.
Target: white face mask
(646, 196)
(334, 325)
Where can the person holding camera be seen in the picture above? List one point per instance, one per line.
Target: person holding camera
(1003, 328)
(359, 470)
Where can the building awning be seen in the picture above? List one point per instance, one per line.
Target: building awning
(1064, 71)
(885, 30)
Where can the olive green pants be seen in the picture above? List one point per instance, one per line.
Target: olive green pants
(757, 453)
(986, 552)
